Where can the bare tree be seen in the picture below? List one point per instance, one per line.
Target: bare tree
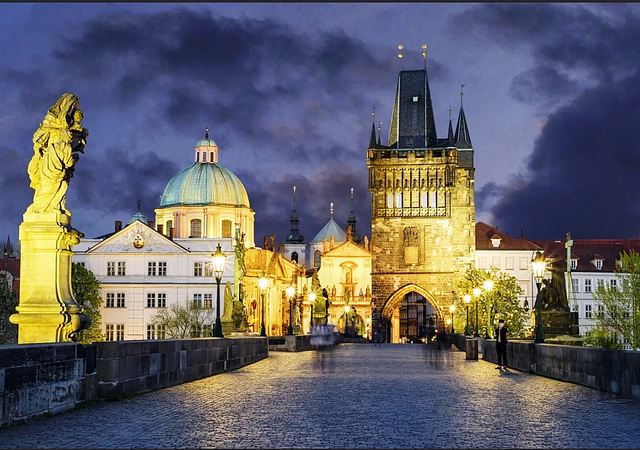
(186, 320)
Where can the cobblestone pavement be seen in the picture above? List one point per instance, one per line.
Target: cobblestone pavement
(356, 396)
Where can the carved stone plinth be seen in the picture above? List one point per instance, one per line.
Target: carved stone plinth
(47, 311)
(558, 322)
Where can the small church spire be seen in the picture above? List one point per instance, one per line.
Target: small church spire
(351, 223)
(450, 139)
(294, 236)
(372, 139)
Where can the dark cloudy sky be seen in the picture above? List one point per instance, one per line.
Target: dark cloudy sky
(552, 99)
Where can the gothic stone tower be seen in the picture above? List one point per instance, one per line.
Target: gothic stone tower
(422, 206)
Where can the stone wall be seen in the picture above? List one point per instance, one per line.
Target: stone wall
(37, 379)
(295, 343)
(615, 371)
(132, 367)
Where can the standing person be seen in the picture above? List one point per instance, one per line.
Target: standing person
(501, 344)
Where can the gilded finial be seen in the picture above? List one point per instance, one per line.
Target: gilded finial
(139, 203)
(373, 114)
(424, 55)
(294, 194)
(331, 209)
(449, 113)
(400, 47)
(461, 93)
(351, 193)
(379, 128)
(206, 133)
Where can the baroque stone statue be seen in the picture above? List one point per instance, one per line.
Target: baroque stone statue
(228, 303)
(56, 147)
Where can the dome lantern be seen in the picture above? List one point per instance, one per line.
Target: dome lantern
(206, 150)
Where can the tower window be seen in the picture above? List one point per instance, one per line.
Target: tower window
(294, 257)
(197, 156)
(398, 200)
(204, 156)
(415, 99)
(196, 228)
(316, 258)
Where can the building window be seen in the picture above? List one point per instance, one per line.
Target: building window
(120, 300)
(524, 263)
(482, 262)
(162, 300)
(151, 332)
(294, 257)
(587, 285)
(81, 264)
(109, 334)
(197, 269)
(598, 264)
(508, 263)
(208, 301)
(162, 269)
(170, 228)
(120, 332)
(111, 300)
(316, 258)
(574, 263)
(614, 284)
(600, 283)
(151, 300)
(122, 268)
(600, 312)
(226, 228)
(204, 156)
(389, 200)
(424, 200)
(575, 284)
(197, 300)
(433, 199)
(151, 269)
(399, 200)
(207, 330)
(161, 331)
(111, 269)
(495, 262)
(196, 228)
(588, 312)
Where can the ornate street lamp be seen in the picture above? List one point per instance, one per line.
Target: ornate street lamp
(488, 286)
(312, 298)
(452, 308)
(263, 282)
(217, 260)
(476, 294)
(467, 300)
(538, 265)
(291, 291)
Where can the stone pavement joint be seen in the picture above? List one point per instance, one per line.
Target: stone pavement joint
(356, 396)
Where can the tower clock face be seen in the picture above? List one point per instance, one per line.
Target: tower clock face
(138, 241)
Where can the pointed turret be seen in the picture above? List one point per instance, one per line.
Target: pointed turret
(351, 222)
(451, 141)
(412, 122)
(294, 236)
(462, 138)
(372, 140)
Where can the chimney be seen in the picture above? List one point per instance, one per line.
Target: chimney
(150, 223)
(118, 225)
(160, 228)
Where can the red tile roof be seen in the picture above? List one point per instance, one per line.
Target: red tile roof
(586, 250)
(484, 234)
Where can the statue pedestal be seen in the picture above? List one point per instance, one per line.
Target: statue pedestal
(47, 311)
(558, 323)
(227, 327)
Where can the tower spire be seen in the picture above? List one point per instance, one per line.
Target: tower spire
(351, 222)
(372, 139)
(294, 236)
(450, 139)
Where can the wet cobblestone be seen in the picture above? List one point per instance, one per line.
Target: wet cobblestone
(357, 396)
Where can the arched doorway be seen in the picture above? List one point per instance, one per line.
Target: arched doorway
(408, 313)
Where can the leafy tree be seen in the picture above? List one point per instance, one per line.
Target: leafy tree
(501, 303)
(621, 302)
(8, 303)
(184, 321)
(601, 337)
(86, 290)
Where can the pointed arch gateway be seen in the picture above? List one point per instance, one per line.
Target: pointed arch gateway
(395, 312)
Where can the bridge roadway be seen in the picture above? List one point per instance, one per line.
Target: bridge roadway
(356, 396)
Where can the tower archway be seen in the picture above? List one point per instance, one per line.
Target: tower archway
(408, 314)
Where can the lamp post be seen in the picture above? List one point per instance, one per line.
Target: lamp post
(538, 265)
(217, 260)
(476, 294)
(488, 286)
(263, 282)
(291, 291)
(467, 300)
(312, 298)
(452, 308)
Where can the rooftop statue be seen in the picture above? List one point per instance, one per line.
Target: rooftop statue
(56, 144)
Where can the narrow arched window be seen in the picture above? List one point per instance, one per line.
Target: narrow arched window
(196, 228)
(316, 258)
(294, 257)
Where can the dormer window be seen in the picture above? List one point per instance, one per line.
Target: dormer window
(597, 263)
(495, 241)
(415, 99)
(574, 263)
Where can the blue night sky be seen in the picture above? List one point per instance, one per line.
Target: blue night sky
(552, 99)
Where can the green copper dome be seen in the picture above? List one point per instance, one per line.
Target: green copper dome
(203, 184)
(206, 142)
